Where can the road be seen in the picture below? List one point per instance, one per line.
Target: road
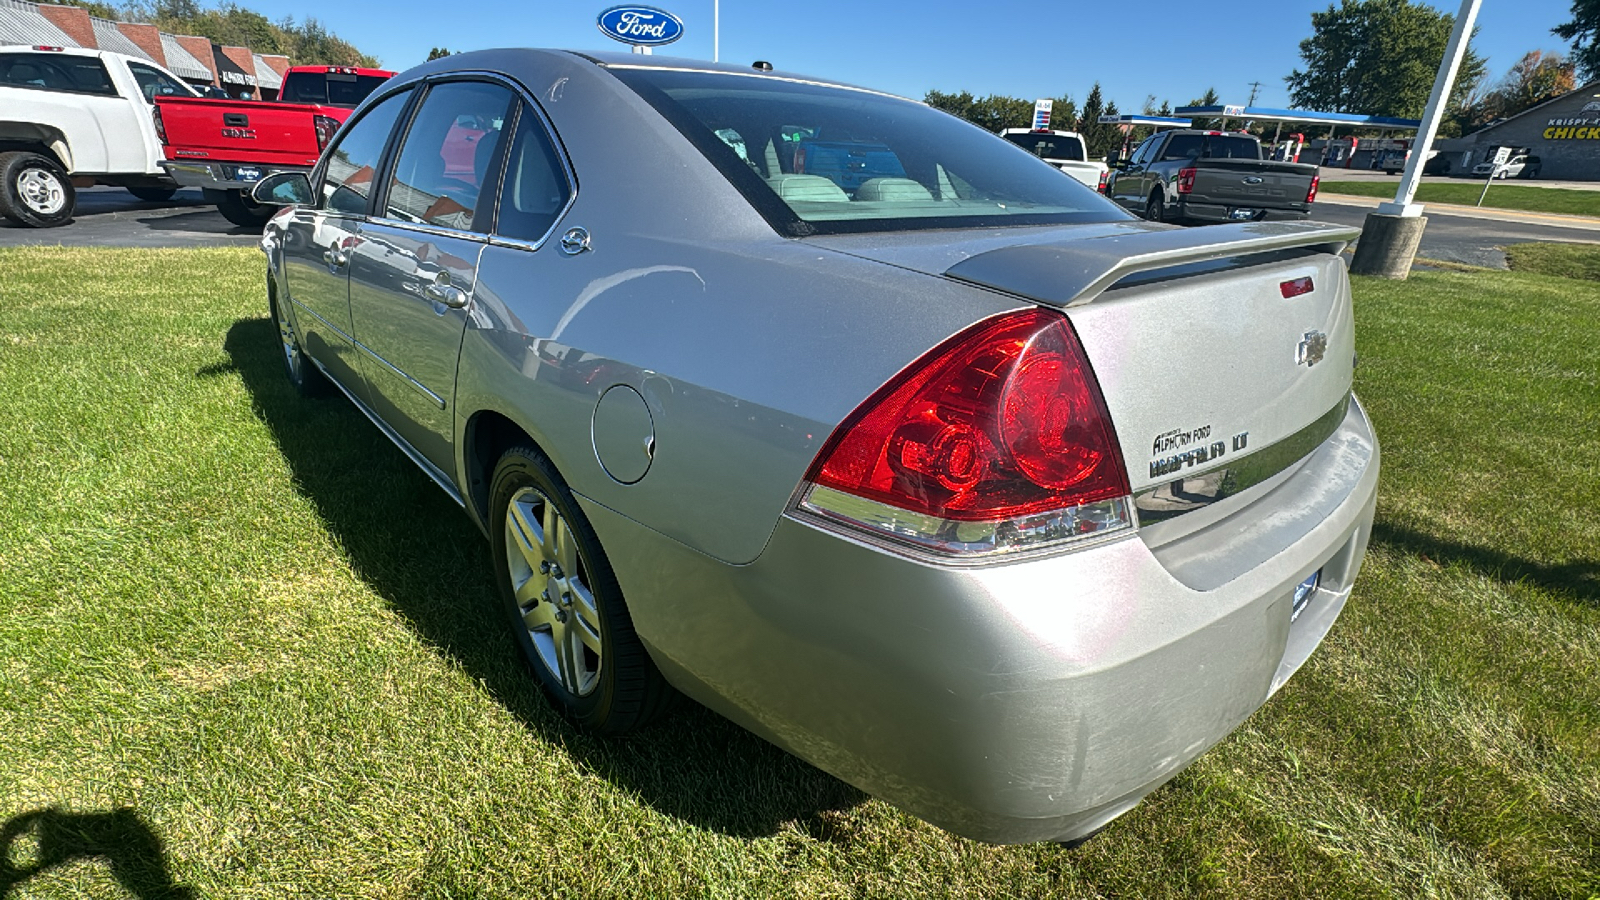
(1459, 238)
(111, 217)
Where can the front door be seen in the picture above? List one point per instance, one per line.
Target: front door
(318, 243)
(414, 265)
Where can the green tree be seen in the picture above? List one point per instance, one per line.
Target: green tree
(1377, 57)
(996, 112)
(103, 10)
(439, 53)
(1098, 136)
(1584, 33)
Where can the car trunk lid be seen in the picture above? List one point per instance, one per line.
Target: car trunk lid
(1208, 344)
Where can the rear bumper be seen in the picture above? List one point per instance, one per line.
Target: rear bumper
(223, 176)
(1219, 212)
(1023, 702)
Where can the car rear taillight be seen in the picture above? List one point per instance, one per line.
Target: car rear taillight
(995, 442)
(1186, 181)
(161, 127)
(325, 126)
(1104, 177)
(1311, 193)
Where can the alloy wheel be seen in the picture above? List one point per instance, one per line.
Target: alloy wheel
(551, 585)
(41, 191)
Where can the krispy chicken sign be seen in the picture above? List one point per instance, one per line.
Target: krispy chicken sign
(1585, 126)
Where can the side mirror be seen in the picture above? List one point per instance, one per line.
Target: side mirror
(283, 189)
(1113, 159)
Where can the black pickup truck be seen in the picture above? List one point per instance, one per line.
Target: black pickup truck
(1210, 176)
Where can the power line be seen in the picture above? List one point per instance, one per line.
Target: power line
(1255, 88)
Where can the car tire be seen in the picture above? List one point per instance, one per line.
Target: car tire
(35, 190)
(1155, 209)
(242, 210)
(566, 609)
(303, 374)
(153, 194)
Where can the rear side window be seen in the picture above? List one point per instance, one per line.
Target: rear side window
(1182, 146)
(155, 83)
(1211, 146)
(56, 72)
(353, 161)
(535, 189)
(329, 88)
(449, 154)
(1049, 146)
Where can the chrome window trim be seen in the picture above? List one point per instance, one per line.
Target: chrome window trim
(422, 228)
(1240, 473)
(528, 102)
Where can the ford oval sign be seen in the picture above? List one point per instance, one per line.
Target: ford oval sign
(643, 26)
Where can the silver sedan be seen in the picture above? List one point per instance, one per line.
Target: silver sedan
(843, 417)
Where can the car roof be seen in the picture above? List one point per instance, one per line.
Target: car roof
(65, 51)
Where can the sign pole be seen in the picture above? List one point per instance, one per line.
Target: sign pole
(1454, 52)
(1391, 235)
(716, 30)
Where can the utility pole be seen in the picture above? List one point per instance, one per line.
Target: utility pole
(716, 30)
(1390, 237)
(1255, 88)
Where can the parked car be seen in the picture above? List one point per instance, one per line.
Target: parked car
(959, 483)
(1188, 175)
(72, 117)
(1065, 150)
(225, 146)
(1511, 169)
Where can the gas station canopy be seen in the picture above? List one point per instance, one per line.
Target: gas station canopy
(1157, 121)
(1299, 116)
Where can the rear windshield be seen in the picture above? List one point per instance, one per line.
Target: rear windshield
(329, 89)
(55, 72)
(1211, 146)
(818, 159)
(1049, 146)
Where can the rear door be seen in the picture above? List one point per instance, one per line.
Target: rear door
(319, 241)
(414, 266)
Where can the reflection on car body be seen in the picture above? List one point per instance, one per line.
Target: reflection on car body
(844, 419)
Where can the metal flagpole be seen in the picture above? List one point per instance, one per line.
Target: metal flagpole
(716, 30)
(1453, 54)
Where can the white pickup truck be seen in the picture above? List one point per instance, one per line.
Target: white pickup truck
(72, 117)
(1065, 150)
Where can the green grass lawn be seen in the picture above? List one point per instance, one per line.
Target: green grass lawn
(248, 650)
(1502, 195)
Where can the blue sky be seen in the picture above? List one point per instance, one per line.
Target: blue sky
(1025, 48)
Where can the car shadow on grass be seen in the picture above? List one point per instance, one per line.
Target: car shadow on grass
(33, 843)
(1579, 579)
(413, 546)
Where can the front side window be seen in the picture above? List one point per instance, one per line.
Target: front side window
(820, 159)
(535, 189)
(56, 72)
(155, 83)
(353, 161)
(449, 154)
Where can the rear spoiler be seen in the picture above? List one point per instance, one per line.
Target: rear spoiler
(1072, 272)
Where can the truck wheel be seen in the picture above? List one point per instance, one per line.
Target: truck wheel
(242, 210)
(35, 190)
(153, 194)
(1155, 209)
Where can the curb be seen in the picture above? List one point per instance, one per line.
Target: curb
(1587, 223)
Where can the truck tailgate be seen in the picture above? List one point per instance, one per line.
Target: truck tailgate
(1260, 184)
(240, 131)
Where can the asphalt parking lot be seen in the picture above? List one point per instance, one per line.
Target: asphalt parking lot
(112, 217)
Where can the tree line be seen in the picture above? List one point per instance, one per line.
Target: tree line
(305, 42)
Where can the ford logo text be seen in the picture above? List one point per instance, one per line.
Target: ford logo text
(641, 25)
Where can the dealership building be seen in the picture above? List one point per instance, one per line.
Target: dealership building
(240, 71)
(1563, 133)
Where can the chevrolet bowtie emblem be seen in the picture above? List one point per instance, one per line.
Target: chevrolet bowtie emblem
(1313, 347)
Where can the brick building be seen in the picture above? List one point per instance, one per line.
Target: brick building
(239, 71)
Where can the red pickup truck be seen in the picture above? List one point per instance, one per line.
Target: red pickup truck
(225, 146)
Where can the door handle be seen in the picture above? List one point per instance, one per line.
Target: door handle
(442, 291)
